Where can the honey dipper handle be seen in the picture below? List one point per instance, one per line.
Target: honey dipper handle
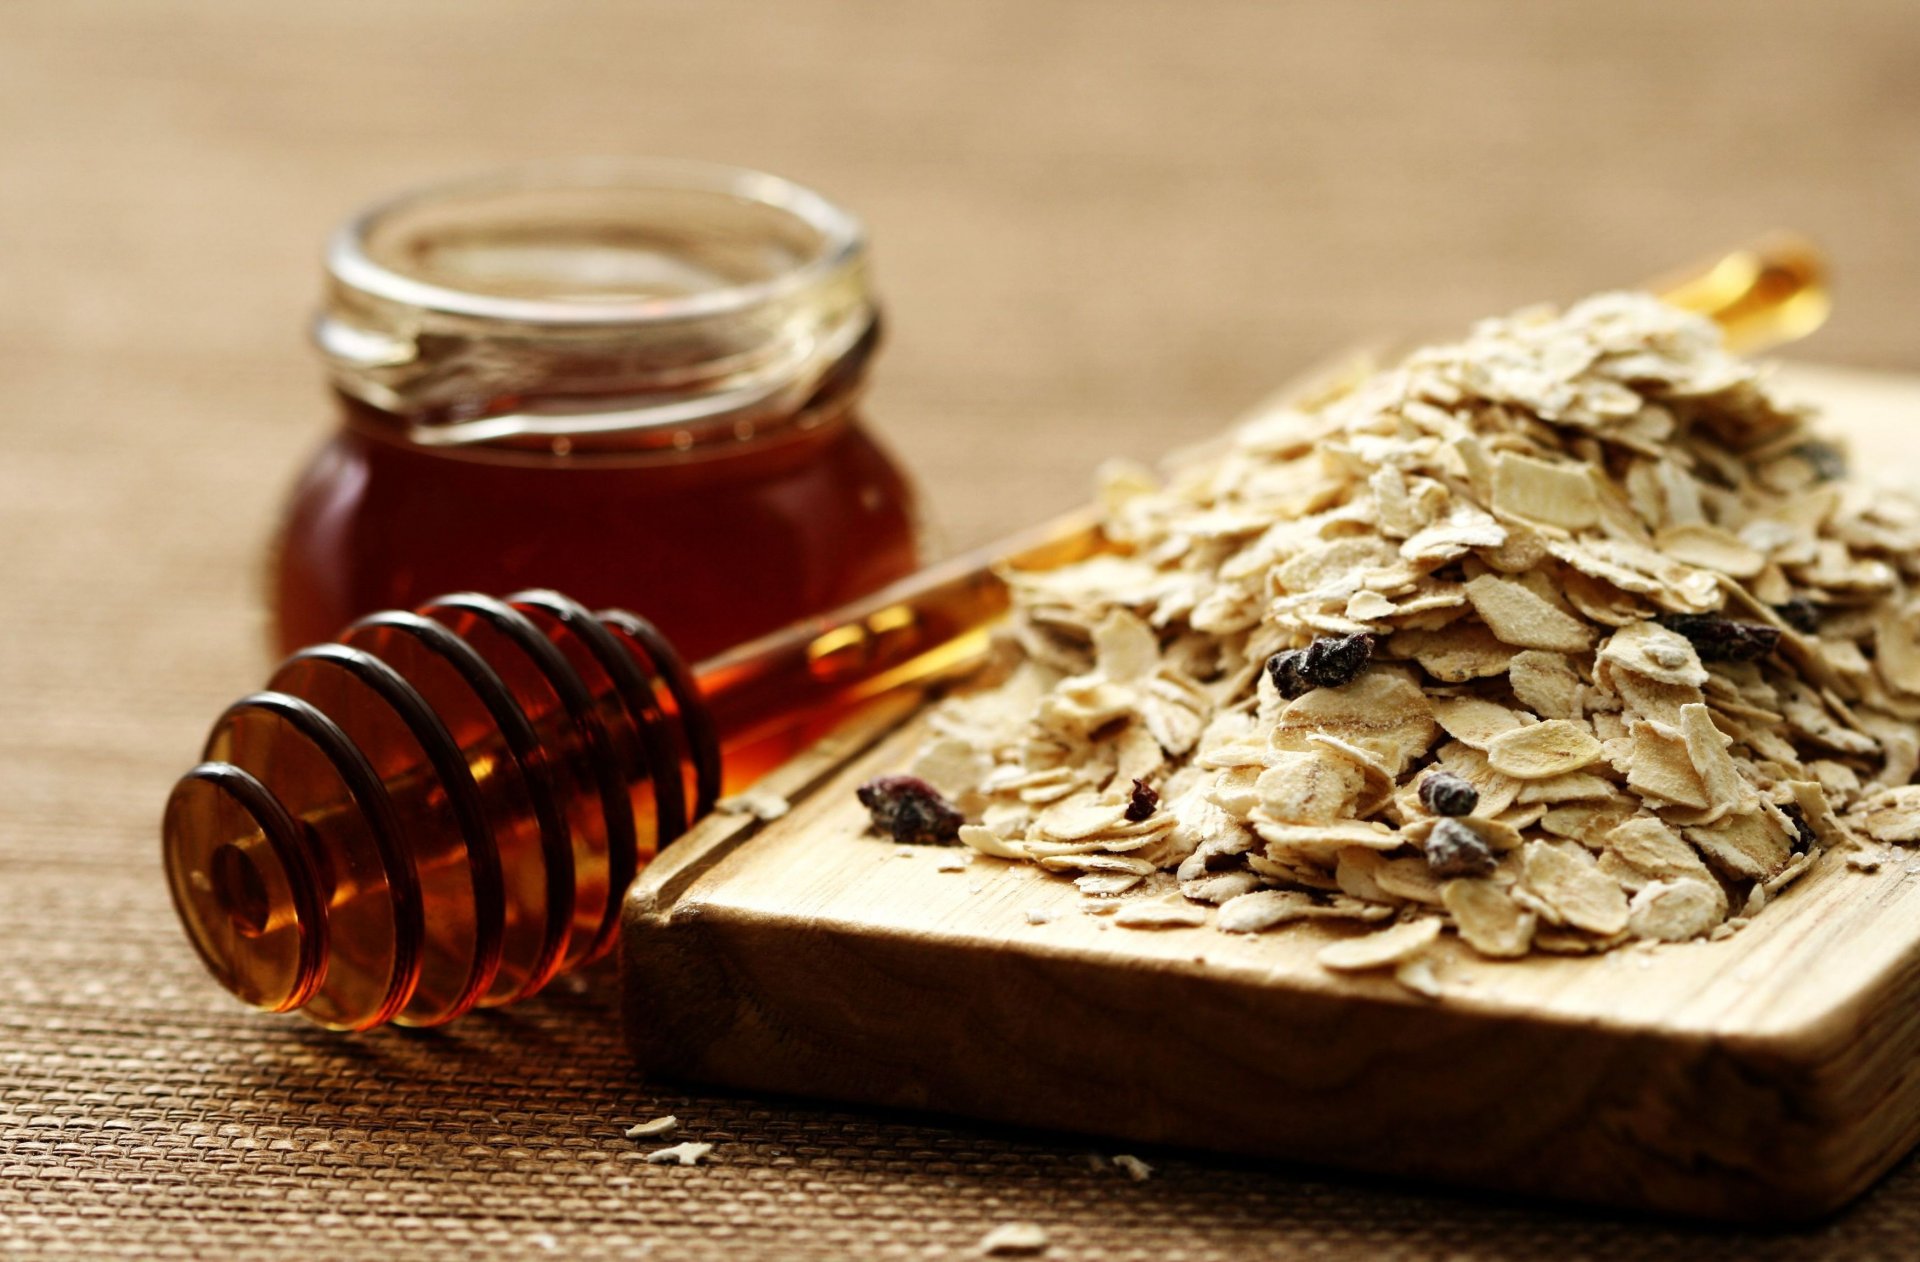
(1762, 295)
(930, 624)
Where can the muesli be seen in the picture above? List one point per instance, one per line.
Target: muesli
(1565, 635)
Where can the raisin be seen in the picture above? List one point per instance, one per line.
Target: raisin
(1803, 834)
(1283, 669)
(1801, 614)
(1142, 803)
(1828, 461)
(1444, 793)
(911, 811)
(1718, 639)
(1332, 661)
(1453, 849)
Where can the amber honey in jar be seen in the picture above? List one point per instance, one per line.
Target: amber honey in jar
(637, 382)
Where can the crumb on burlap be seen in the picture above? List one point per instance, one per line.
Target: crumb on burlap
(1015, 1240)
(657, 1126)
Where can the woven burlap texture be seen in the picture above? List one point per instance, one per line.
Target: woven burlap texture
(1102, 225)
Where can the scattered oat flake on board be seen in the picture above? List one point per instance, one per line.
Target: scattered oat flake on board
(688, 1154)
(1418, 975)
(658, 1126)
(1383, 949)
(758, 803)
(1259, 910)
(1014, 1240)
(1676, 911)
(1159, 916)
(1892, 815)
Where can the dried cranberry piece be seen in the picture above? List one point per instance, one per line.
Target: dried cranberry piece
(911, 811)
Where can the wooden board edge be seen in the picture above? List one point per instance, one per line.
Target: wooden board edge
(653, 900)
(711, 840)
(1590, 1115)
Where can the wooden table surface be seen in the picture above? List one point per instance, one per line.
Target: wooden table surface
(1101, 226)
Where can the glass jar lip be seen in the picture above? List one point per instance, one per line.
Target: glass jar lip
(842, 241)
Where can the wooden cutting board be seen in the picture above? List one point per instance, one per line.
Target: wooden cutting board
(1771, 1075)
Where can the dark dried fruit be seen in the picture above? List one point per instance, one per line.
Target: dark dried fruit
(911, 811)
(1142, 803)
(1444, 793)
(1803, 834)
(1828, 461)
(1283, 669)
(1801, 614)
(1718, 639)
(1453, 849)
(1332, 661)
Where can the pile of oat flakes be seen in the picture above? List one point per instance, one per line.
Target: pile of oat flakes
(1565, 635)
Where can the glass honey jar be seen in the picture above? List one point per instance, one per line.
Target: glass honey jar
(635, 381)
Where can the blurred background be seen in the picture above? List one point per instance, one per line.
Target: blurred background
(1100, 226)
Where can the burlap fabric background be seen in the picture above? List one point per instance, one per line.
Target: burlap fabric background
(1102, 227)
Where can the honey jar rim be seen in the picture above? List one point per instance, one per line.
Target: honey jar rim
(842, 242)
(667, 301)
